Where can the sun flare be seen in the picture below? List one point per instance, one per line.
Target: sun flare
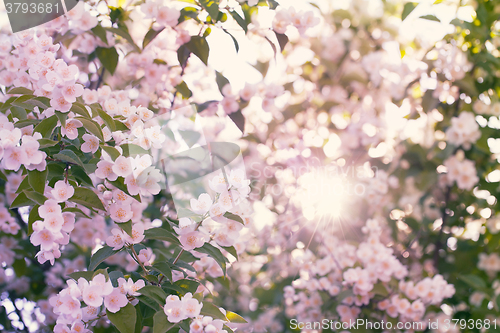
(322, 196)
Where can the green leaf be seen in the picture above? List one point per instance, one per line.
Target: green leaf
(221, 80)
(81, 175)
(120, 126)
(225, 327)
(380, 289)
(212, 7)
(407, 9)
(32, 218)
(20, 91)
(231, 250)
(25, 185)
(108, 58)
(108, 120)
(282, 40)
(77, 211)
(45, 143)
(87, 275)
(240, 20)
(37, 179)
(62, 117)
(473, 280)
(235, 42)
(161, 234)
(273, 4)
(92, 127)
(26, 122)
(155, 293)
(130, 149)
(80, 109)
(238, 118)
(163, 268)
(233, 217)
(100, 32)
(123, 32)
(19, 266)
(112, 151)
(46, 126)
(183, 89)
(101, 255)
(35, 197)
(87, 198)
(126, 226)
(124, 320)
(150, 35)
(68, 156)
(190, 137)
(160, 323)
(21, 101)
(114, 276)
(235, 318)
(42, 102)
(203, 106)
(21, 201)
(215, 253)
(152, 278)
(199, 46)
(187, 285)
(149, 302)
(183, 54)
(187, 13)
(209, 309)
(159, 62)
(18, 112)
(430, 17)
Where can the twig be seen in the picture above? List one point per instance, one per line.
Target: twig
(131, 247)
(444, 216)
(181, 252)
(99, 80)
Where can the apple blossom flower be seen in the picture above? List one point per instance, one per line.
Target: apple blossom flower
(202, 205)
(71, 91)
(62, 191)
(120, 213)
(115, 301)
(174, 309)
(91, 143)
(116, 240)
(71, 128)
(192, 240)
(123, 166)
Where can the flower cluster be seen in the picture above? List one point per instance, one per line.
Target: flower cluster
(302, 20)
(20, 147)
(67, 303)
(232, 101)
(464, 130)
(54, 229)
(179, 309)
(364, 273)
(139, 175)
(489, 263)
(224, 231)
(463, 172)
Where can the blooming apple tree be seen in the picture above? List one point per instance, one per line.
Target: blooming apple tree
(370, 153)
